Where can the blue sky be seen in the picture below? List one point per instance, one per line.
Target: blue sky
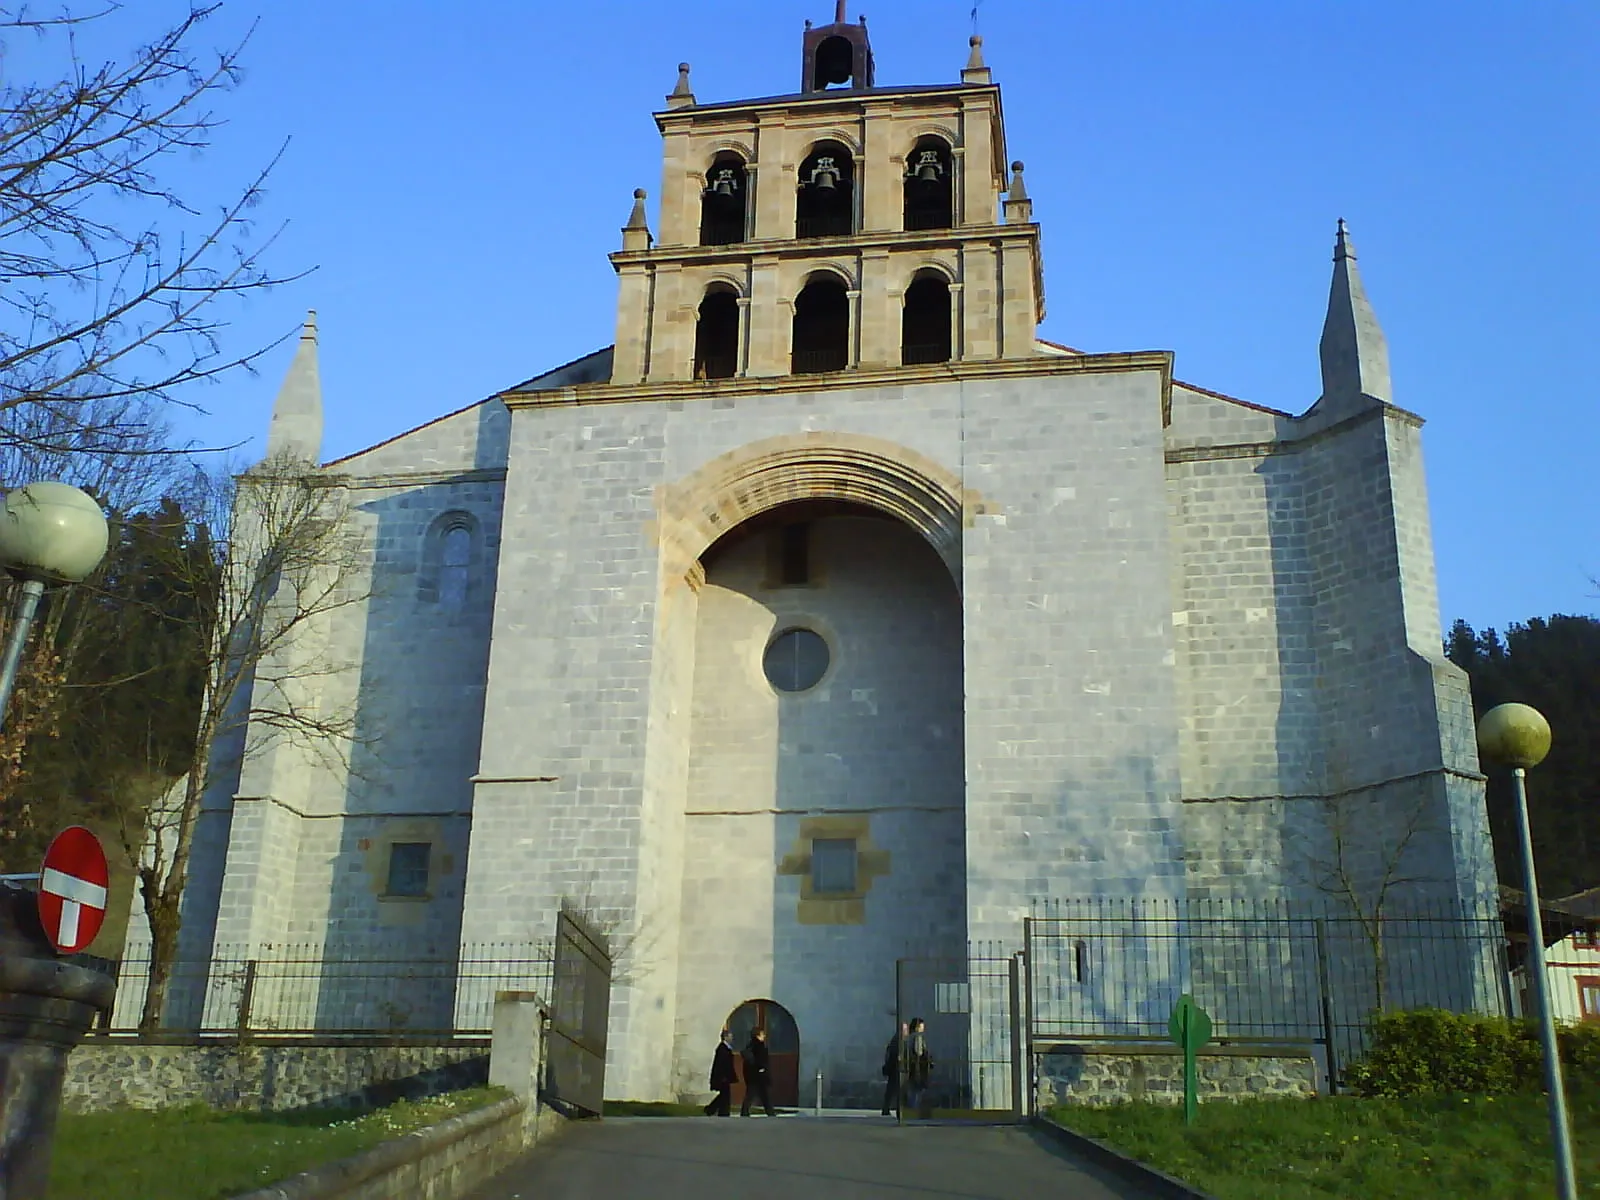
(457, 174)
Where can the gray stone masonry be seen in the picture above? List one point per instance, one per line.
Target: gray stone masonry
(111, 1074)
(1097, 1076)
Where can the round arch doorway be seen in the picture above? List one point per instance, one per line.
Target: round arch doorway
(783, 1048)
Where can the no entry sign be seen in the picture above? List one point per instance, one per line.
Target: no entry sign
(72, 889)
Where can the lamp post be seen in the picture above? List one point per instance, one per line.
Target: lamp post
(1519, 737)
(49, 532)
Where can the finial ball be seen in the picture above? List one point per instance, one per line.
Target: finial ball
(683, 68)
(1514, 734)
(1017, 166)
(638, 193)
(974, 40)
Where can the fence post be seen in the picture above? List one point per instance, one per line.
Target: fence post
(899, 1020)
(1018, 1032)
(246, 997)
(1325, 987)
(1030, 1099)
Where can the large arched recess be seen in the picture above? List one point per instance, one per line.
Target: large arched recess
(851, 468)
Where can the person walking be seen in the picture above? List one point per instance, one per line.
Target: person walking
(891, 1072)
(723, 1076)
(756, 1078)
(917, 1066)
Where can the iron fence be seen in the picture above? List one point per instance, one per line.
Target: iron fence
(971, 1009)
(313, 990)
(1265, 971)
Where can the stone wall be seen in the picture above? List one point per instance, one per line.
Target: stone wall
(1096, 1075)
(108, 1074)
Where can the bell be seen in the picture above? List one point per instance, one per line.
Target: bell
(825, 175)
(928, 172)
(724, 184)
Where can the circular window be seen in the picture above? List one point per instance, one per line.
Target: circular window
(796, 660)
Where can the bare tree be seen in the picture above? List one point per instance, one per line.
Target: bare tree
(1368, 855)
(110, 277)
(289, 559)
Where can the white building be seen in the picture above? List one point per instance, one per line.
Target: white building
(829, 617)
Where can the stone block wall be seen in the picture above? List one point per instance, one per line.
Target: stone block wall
(1072, 721)
(104, 1074)
(1100, 1076)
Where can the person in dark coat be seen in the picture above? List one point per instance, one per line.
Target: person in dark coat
(891, 1072)
(756, 1078)
(917, 1063)
(723, 1077)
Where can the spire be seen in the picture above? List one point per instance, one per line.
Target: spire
(636, 233)
(976, 71)
(1019, 209)
(1355, 357)
(839, 17)
(681, 96)
(296, 427)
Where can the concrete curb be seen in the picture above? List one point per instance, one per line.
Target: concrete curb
(1159, 1183)
(403, 1158)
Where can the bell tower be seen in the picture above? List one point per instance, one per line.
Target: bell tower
(843, 228)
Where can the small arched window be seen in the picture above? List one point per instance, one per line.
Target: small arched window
(724, 202)
(930, 185)
(821, 338)
(826, 206)
(449, 556)
(925, 320)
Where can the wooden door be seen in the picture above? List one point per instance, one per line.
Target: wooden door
(783, 1048)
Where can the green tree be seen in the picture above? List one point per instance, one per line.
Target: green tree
(1553, 664)
(112, 693)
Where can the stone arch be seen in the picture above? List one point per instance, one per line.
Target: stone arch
(823, 465)
(722, 281)
(832, 134)
(726, 146)
(921, 129)
(936, 265)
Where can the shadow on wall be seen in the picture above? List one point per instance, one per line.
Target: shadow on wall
(419, 714)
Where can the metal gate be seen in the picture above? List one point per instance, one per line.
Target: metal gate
(972, 1009)
(580, 1006)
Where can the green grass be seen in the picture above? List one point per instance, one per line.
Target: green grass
(1493, 1148)
(198, 1153)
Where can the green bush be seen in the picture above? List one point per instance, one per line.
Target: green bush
(1428, 1051)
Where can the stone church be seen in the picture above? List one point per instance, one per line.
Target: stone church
(831, 617)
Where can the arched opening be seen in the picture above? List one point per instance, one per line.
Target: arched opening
(821, 327)
(930, 185)
(716, 335)
(724, 201)
(826, 206)
(783, 1048)
(835, 63)
(449, 547)
(925, 320)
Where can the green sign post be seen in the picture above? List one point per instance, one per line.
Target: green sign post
(1191, 1029)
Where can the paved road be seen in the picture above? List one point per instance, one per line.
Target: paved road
(790, 1158)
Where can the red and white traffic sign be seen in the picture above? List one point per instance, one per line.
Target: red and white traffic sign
(72, 889)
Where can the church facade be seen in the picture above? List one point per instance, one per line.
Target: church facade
(829, 617)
